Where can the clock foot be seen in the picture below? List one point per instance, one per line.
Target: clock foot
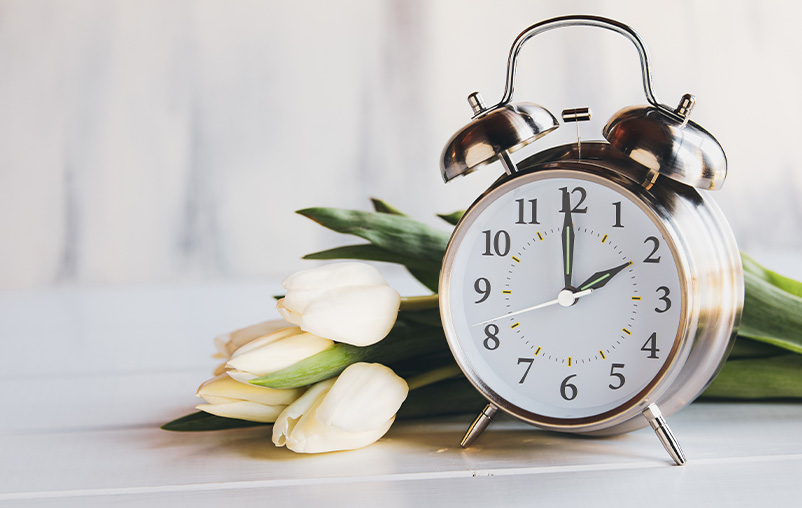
(479, 425)
(670, 443)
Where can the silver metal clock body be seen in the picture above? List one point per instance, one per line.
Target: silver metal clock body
(708, 271)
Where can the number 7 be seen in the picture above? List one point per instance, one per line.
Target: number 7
(530, 361)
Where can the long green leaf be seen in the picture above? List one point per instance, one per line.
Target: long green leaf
(371, 252)
(771, 315)
(453, 217)
(205, 421)
(429, 278)
(779, 377)
(775, 279)
(384, 207)
(396, 233)
(747, 348)
(408, 338)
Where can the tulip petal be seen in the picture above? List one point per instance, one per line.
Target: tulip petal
(240, 377)
(222, 389)
(287, 420)
(276, 355)
(259, 342)
(364, 397)
(244, 410)
(309, 286)
(334, 275)
(227, 343)
(356, 315)
(310, 436)
(288, 314)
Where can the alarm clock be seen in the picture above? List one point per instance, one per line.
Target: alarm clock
(595, 287)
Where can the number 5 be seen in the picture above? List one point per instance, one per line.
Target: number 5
(620, 376)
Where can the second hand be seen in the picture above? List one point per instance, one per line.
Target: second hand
(566, 298)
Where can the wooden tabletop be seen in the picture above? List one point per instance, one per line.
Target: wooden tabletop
(90, 374)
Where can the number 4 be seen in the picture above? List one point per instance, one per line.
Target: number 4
(651, 346)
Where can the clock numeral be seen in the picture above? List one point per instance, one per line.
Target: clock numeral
(530, 361)
(656, 243)
(482, 287)
(567, 200)
(664, 299)
(617, 206)
(500, 244)
(567, 387)
(522, 212)
(650, 346)
(613, 373)
(491, 341)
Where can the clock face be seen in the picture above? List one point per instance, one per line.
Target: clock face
(563, 297)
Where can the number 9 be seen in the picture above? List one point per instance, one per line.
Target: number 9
(482, 287)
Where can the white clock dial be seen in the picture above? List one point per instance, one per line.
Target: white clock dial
(563, 296)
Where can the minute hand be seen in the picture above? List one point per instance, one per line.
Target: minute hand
(599, 279)
(568, 245)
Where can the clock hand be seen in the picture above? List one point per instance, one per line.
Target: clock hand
(568, 244)
(566, 298)
(599, 279)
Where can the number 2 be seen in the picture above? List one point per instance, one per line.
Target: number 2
(649, 258)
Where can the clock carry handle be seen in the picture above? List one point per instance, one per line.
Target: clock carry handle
(660, 138)
(594, 21)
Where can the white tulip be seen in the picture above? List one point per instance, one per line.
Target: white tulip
(273, 352)
(344, 302)
(346, 413)
(227, 343)
(232, 399)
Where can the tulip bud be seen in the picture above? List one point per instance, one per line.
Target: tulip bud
(344, 302)
(227, 343)
(231, 399)
(274, 352)
(346, 413)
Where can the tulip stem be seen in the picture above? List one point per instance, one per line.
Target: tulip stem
(420, 302)
(433, 376)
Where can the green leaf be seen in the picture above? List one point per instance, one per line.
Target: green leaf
(402, 235)
(453, 217)
(429, 278)
(775, 279)
(453, 396)
(779, 377)
(747, 348)
(205, 421)
(370, 252)
(771, 315)
(382, 207)
(408, 338)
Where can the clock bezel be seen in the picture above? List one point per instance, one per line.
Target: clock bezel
(658, 214)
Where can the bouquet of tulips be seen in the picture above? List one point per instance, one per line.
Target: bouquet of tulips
(350, 354)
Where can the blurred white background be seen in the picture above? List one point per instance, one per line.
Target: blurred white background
(147, 141)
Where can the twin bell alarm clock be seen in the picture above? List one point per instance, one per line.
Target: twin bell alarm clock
(595, 288)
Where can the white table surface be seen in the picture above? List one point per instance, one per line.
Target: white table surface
(90, 373)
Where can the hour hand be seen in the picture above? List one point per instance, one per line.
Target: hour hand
(568, 246)
(599, 279)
